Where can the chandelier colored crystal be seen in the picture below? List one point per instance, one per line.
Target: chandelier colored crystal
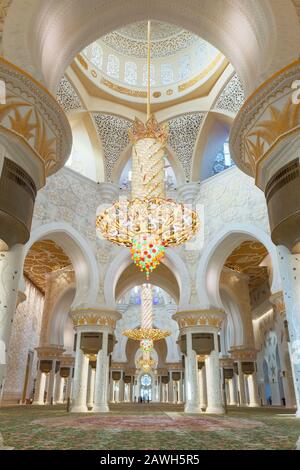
(148, 223)
(146, 345)
(146, 364)
(146, 253)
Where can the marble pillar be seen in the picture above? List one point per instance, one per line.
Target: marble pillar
(101, 380)
(91, 387)
(79, 394)
(10, 272)
(213, 383)
(232, 392)
(253, 390)
(203, 390)
(241, 381)
(39, 388)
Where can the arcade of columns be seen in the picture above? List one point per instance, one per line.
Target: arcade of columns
(34, 126)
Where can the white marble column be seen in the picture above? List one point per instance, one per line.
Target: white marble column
(39, 388)
(121, 388)
(58, 385)
(91, 387)
(170, 390)
(241, 384)
(213, 384)
(289, 265)
(203, 390)
(253, 390)
(232, 392)
(10, 272)
(192, 404)
(80, 379)
(183, 387)
(275, 393)
(69, 386)
(160, 396)
(51, 384)
(101, 380)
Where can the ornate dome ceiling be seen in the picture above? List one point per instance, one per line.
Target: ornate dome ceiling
(181, 62)
(166, 39)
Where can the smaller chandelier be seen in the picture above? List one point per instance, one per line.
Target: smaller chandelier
(146, 363)
(139, 334)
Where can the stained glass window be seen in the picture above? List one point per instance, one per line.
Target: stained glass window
(222, 160)
(166, 74)
(113, 66)
(145, 75)
(130, 73)
(185, 68)
(146, 380)
(96, 55)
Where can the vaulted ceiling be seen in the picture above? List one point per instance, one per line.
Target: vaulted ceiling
(246, 259)
(44, 257)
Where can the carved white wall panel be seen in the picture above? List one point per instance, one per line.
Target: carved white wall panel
(25, 337)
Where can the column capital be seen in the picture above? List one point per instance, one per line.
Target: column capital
(67, 360)
(50, 352)
(226, 362)
(243, 353)
(103, 318)
(195, 318)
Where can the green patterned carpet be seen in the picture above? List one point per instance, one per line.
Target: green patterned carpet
(34, 427)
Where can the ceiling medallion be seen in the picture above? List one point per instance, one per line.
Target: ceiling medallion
(149, 222)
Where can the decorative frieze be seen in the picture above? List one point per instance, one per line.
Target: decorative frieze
(207, 317)
(50, 351)
(95, 317)
(243, 354)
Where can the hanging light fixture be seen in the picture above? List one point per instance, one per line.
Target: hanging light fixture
(148, 223)
(146, 335)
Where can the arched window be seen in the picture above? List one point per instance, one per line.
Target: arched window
(130, 73)
(166, 74)
(96, 55)
(113, 66)
(185, 67)
(222, 160)
(145, 75)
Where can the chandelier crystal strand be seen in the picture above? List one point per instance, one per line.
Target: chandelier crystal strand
(146, 363)
(147, 306)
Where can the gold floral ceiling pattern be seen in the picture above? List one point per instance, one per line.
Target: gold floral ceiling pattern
(246, 259)
(44, 257)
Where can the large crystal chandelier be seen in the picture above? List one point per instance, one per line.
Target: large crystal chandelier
(148, 223)
(146, 335)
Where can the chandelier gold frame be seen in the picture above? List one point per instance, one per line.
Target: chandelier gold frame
(173, 223)
(138, 334)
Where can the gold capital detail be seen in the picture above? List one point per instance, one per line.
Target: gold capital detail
(151, 129)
